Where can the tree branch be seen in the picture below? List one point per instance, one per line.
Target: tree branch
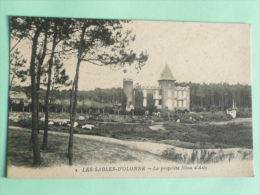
(16, 44)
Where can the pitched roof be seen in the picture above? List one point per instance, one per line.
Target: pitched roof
(17, 95)
(167, 74)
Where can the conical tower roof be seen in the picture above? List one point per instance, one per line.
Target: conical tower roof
(167, 74)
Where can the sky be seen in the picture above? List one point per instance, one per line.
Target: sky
(196, 52)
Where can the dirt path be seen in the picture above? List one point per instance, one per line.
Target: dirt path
(236, 120)
(151, 152)
(141, 151)
(154, 148)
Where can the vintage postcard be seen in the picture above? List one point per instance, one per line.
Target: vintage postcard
(129, 99)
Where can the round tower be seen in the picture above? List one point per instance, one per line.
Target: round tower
(128, 90)
(166, 83)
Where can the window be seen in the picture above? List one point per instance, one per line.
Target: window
(175, 104)
(184, 103)
(145, 102)
(184, 94)
(179, 94)
(145, 93)
(169, 93)
(175, 94)
(180, 104)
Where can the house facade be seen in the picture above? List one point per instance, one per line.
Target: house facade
(18, 97)
(165, 96)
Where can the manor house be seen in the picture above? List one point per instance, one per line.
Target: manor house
(166, 95)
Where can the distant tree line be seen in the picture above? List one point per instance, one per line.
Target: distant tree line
(111, 96)
(220, 95)
(202, 96)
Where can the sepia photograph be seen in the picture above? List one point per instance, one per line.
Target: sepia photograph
(102, 98)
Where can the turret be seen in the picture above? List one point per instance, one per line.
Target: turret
(166, 82)
(128, 90)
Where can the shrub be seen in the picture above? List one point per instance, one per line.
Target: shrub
(198, 109)
(244, 114)
(218, 116)
(26, 123)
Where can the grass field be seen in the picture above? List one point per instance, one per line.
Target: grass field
(204, 141)
(192, 136)
(197, 135)
(89, 150)
(86, 151)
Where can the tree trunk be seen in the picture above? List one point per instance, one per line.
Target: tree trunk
(39, 73)
(41, 58)
(47, 97)
(11, 82)
(73, 104)
(35, 139)
(73, 98)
